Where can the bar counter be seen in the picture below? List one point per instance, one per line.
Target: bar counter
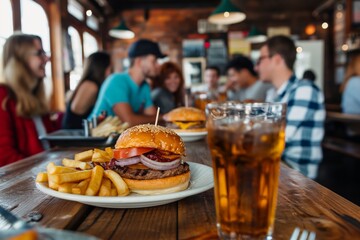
(302, 203)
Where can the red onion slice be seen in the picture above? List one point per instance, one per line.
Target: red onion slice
(127, 161)
(159, 165)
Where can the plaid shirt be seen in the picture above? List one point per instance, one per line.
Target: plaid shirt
(305, 124)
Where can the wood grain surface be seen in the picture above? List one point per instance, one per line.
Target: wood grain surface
(301, 203)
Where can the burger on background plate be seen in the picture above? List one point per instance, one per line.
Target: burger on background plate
(149, 159)
(186, 119)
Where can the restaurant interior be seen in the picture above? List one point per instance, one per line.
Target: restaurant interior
(326, 34)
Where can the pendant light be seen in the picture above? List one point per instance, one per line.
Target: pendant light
(226, 13)
(121, 31)
(256, 36)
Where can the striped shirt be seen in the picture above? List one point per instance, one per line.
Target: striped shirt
(305, 124)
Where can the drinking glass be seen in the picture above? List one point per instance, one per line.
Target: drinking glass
(201, 99)
(246, 142)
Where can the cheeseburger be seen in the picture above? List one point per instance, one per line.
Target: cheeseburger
(149, 159)
(186, 119)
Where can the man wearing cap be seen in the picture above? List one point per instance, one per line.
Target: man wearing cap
(127, 95)
(243, 84)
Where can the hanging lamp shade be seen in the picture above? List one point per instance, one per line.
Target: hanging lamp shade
(226, 13)
(256, 36)
(121, 31)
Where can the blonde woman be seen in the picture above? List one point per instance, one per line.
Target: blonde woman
(351, 87)
(24, 113)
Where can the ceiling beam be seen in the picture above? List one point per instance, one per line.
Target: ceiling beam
(161, 4)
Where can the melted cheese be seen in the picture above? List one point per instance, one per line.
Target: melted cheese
(185, 125)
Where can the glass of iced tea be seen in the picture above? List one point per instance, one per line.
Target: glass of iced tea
(201, 99)
(246, 142)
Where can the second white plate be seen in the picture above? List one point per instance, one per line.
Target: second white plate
(201, 181)
(192, 136)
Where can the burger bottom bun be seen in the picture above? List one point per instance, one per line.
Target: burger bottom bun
(177, 188)
(159, 186)
(190, 130)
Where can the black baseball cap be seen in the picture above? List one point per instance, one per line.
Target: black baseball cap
(143, 47)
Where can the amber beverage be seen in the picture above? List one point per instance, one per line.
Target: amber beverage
(222, 96)
(201, 99)
(246, 143)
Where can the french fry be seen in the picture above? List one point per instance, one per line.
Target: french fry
(113, 192)
(106, 120)
(84, 156)
(95, 181)
(31, 234)
(119, 183)
(109, 125)
(60, 169)
(42, 177)
(114, 121)
(66, 187)
(80, 188)
(50, 166)
(75, 164)
(53, 185)
(70, 177)
(110, 152)
(100, 156)
(51, 182)
(105, 188)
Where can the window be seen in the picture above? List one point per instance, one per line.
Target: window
(6, 28)
(75, 74)
(93, 22)
(90, 44)
(75, 9)
(34, 21)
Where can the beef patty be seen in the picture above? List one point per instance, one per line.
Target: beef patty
(148, 174)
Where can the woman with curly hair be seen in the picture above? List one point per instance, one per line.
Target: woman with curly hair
(24, 112)
(168, 90)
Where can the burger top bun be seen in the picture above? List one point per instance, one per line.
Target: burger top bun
(151, 136)
(185, 114)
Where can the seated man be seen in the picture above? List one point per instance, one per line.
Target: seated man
(242, 81)
(305, 105)
(211, 83)
(128, 95)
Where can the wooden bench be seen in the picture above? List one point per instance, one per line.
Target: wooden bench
(342, 146)
(342, 117)
(333, 107)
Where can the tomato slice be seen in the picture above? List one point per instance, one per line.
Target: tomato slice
(130, 152)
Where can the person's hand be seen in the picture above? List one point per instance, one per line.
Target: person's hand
(230, 85)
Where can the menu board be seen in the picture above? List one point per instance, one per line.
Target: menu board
(216, 54)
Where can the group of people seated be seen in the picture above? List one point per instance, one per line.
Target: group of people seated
(24, 112)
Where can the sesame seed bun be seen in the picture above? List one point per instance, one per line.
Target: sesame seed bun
(185, 114)
(151, 136)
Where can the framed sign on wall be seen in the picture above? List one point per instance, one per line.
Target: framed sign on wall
(193, 70)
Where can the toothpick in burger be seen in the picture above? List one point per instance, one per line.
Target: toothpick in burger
(149, 159)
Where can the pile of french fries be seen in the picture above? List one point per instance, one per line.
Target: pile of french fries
(78, 176)
(109, 125)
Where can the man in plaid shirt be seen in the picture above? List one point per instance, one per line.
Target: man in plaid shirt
(305, 105)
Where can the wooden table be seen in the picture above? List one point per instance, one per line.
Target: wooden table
(302, 203)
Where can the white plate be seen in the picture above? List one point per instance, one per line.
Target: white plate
(201, 180)
(191, 136)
